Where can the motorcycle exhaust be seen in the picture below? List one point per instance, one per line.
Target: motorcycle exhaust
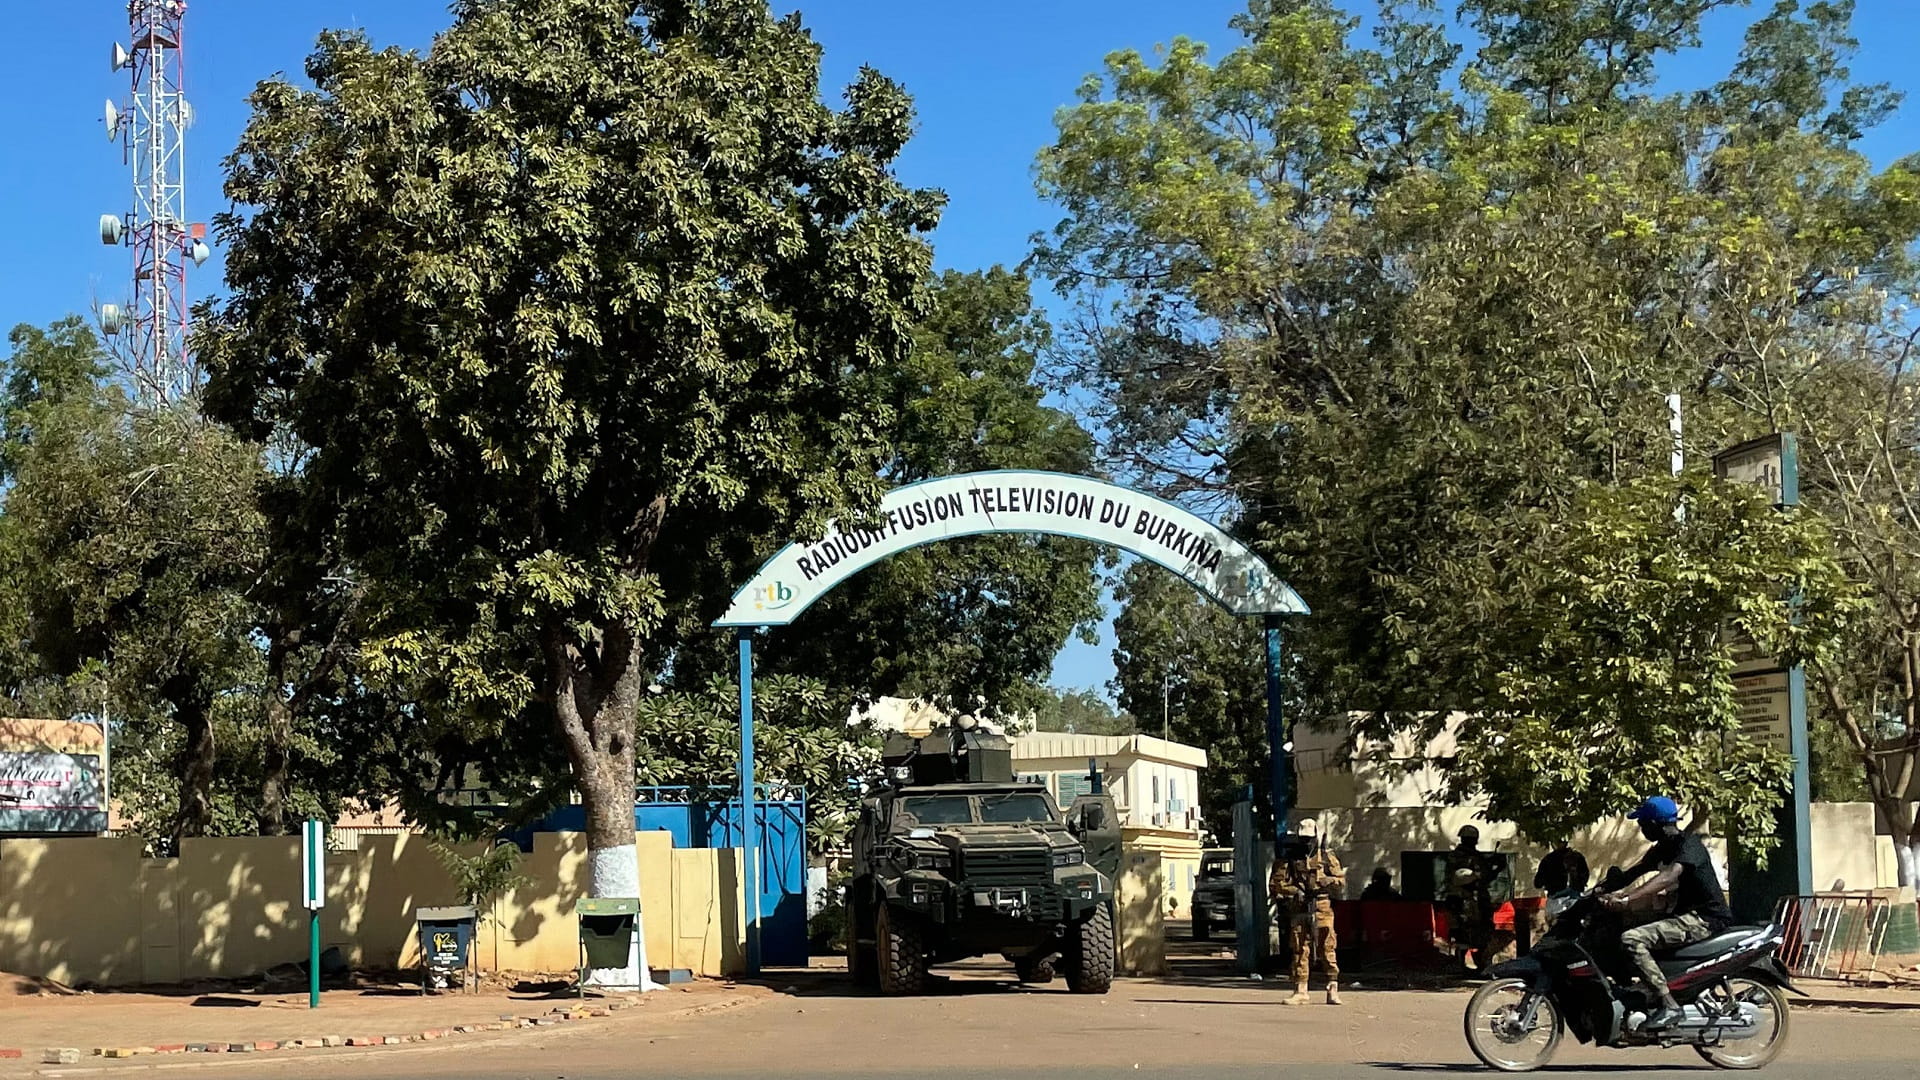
(1696, 1021)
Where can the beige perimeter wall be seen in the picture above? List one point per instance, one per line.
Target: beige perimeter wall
(92, 910)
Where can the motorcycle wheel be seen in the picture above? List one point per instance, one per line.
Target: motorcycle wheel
(1764, 1046)
(1494, 1035)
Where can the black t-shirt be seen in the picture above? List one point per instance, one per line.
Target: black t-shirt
(1560, 871)
(1698, 892)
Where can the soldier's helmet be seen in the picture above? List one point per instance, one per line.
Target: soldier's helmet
(1469, 834)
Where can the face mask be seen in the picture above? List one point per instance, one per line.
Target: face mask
(1652, 830)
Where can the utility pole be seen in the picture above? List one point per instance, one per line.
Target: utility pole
(106, 759)
(1166, 714)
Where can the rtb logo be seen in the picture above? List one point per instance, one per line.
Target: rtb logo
(773, 597)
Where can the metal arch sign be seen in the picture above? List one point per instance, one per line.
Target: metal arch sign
(1016, 501)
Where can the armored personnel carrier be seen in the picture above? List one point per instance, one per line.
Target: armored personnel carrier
(953, 859)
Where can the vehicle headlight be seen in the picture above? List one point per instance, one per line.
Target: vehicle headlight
(932, 860)
(1070, 857)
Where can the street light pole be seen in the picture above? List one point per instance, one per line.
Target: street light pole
(1166, 716)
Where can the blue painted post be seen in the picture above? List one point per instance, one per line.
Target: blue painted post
(1801, 810)
(1279, 737)
(749, 807)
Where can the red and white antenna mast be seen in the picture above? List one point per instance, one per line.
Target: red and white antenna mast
(151, 126)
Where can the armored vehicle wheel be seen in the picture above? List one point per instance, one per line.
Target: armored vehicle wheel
(1036, 969)
(902, 948)
(1090, 960)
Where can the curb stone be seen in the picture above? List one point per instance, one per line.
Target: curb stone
(506, 1022)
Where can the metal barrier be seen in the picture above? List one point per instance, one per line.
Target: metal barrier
(1833, 935)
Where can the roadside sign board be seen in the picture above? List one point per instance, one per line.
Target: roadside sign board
(313, 858)
(1772, 704)
(1770, 461)
(1765, 701)
(1748, 657)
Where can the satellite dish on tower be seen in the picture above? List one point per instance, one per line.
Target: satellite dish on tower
(112, 319)
(200, 252)
(112, 116)
(110, 229)
(119, 56)
(184, 114)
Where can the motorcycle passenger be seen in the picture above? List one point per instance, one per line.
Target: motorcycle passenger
(1700, 906)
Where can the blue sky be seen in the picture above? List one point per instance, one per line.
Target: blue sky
(987, 76)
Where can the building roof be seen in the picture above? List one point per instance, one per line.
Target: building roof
(1057, 744)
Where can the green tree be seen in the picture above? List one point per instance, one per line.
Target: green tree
(1619, 642)
(804, 742)
(130, 540)
(971, 623)
(227, 717)
(1176, 649)
(588, 282)
(1082, 712)
(1396, 301)
(46, 368)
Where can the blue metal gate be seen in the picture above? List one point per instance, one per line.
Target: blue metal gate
(697, 818)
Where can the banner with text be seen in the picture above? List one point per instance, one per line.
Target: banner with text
(1057, 504)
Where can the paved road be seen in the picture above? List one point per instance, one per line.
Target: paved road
(984, 1028)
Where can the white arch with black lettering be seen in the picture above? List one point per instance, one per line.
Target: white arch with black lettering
(1016, 501)
(1011, 501)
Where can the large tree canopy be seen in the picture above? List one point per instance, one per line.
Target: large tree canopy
(1397, 301)
(971, 623)
(585, 280)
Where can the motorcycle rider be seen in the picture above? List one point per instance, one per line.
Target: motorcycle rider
(1700, 906)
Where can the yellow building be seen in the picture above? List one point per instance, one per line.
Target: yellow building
(1155, 783)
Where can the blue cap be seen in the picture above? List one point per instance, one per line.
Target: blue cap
(1658, 809)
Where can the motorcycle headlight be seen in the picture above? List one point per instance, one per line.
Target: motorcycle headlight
(1070, 857)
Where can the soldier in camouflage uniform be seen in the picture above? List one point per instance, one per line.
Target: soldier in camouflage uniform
(1469, 895)
(1303, 888)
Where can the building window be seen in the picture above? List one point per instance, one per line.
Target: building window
(1072, 786)
(1156, 793)
(1173, 794)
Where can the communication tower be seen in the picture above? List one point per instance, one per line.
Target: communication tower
(151, 126)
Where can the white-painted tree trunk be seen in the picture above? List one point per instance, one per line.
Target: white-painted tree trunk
(1906, 859)
(615, 872)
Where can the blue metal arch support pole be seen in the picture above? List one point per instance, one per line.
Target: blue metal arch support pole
(1279, 734)
(749, 806)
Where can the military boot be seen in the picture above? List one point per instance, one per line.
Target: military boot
(1299, 996)
(1333, 993)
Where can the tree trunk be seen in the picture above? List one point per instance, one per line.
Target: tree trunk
(194, 713)
(594, 688)
(1887, 789)
(1906, 851)
(277, 753)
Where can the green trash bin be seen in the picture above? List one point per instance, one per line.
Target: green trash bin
(446, 946)
(609, 928)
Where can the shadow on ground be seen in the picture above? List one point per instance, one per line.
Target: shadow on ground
(1197, 964)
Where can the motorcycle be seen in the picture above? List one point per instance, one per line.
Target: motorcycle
(1578, 978)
